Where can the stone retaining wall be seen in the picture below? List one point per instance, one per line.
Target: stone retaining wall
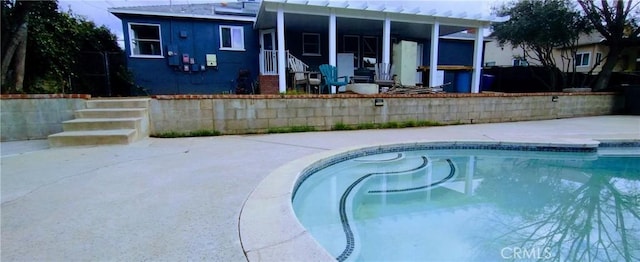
(37, 116)
(237, 114)
(24, 117)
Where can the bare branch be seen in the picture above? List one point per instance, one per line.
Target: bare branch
(606, 10)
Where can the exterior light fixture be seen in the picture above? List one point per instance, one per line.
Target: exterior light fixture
(378, 102)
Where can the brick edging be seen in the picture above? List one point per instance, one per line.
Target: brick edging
(323, 96)
(328, 96)
(44, 96)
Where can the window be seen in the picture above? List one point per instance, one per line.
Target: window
(351, 44)
(310, 44)
(520, 62)
(582, 59)
(145, 40)
(231, 38)
(369, 52)
(598, 58)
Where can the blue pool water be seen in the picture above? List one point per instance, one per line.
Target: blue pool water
(475, 205)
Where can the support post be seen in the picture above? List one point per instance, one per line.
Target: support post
(433, 53)
(333, 54)
(282, 64)
(477, 61)
(386, 41)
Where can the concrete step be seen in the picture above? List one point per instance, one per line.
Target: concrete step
(119, 103)
(111, 113)
(93, 137)
(101, 124)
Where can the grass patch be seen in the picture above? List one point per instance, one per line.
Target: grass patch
(298, 129)
(428, 123)
(390, 125)
(342, 126)
(404, 124)
(195, 133)
(366, 126)
(290, 129)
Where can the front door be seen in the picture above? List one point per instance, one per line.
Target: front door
(268, 54)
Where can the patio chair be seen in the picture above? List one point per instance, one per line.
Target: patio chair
(330, 77)
(300, 75)
(384, 75)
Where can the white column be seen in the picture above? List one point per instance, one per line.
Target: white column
(477, 61)
(386, 41)
(282, 63)
(433, 53)
(333, 53)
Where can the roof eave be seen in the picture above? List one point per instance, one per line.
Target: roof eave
(117, 11)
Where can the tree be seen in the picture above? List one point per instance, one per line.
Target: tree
(619, 23)
(60, 49)
(539, 28)
(14, 34)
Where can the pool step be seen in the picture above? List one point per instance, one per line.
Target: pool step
(105, 121)
(419, 179)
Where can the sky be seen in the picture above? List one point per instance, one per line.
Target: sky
(96, 10)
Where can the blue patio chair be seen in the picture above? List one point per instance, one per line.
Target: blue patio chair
(330, 77)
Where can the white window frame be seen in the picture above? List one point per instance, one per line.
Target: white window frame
(231, 30)
(304, 52)
(582, 59)
(520, 62)
(376, 51)
(356, 53)
(599, 57)
(132, 39)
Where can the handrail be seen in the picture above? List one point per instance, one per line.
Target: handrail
(269, 62)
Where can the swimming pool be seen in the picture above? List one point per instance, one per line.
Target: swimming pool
(473, 203)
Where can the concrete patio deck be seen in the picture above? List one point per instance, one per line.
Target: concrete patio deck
(180, 199)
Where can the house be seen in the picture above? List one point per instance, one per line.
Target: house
(507, 55)
(589, 57)
(202, 48)
(591, 53)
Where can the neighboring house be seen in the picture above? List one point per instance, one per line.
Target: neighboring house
(496, 55)
(201, 48)
(590, 53)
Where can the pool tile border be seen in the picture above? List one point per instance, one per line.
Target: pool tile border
(284, 182)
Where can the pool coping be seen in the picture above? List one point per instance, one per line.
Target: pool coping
(270, 231)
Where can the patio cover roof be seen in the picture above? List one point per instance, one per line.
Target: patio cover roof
(366, 15)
